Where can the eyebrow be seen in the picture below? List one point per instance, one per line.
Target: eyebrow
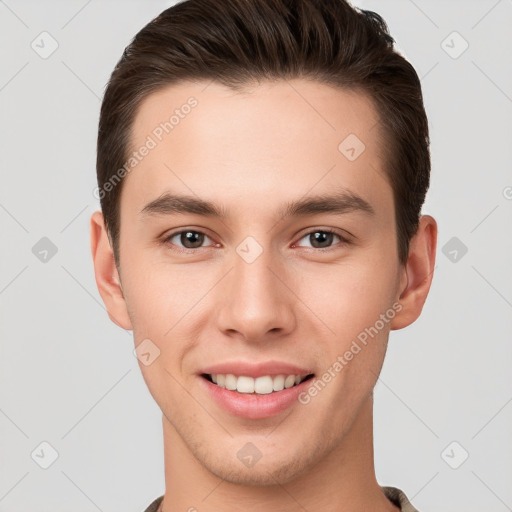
(337, 203)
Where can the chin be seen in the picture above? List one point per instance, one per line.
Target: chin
(264, 473)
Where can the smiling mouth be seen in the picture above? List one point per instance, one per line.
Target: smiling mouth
(263, 385)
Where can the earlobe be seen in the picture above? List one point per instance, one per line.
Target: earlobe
(106, 274)
(418, 273)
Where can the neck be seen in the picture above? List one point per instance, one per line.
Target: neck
(342, 481)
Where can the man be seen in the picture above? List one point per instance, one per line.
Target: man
(261, 168)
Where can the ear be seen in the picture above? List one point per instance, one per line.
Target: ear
(107, 277)
(417, 273)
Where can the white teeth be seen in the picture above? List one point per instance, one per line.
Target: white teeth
(230, 382)
(289, 381)
(278, 383)
(245, 384)
(260, 385)
(263, 385)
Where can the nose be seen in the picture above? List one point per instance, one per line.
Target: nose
(257, 300)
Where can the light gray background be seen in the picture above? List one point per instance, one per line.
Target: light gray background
(68, 376)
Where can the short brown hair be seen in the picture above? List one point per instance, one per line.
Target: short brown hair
(238, 42)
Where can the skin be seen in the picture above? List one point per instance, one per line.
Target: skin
(251, 152)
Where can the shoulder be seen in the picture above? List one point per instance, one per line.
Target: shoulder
(398, 498)
(154, 505)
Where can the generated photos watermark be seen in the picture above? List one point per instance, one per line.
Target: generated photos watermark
(319, 384)
(152, 140)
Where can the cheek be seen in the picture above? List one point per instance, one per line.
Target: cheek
(157, 295)
(351, 305)
(166, 305)
(151, 304)
(347, 297)
(160, 301)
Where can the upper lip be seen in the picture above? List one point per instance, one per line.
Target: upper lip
(272, 368)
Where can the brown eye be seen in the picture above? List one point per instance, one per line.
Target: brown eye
(322, 238)
(188, 239)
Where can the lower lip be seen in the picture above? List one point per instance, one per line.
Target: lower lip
(254, 406)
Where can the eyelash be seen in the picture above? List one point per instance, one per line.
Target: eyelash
(344, 241)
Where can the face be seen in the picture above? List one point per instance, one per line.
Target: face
(260, 287)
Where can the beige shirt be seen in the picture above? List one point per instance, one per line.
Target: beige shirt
(395, 495)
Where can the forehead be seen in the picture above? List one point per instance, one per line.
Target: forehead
(274, 139)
